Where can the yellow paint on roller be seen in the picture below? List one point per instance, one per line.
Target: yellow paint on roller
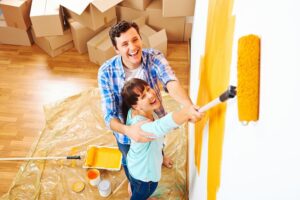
(90, 156)
(214, 79)
(103, 158)
(248, 72)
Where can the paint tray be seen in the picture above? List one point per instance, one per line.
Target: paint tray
(101, 157)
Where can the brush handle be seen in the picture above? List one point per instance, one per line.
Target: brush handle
(211, 104)
(230, 93)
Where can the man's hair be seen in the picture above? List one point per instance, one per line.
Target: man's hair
(119, 28)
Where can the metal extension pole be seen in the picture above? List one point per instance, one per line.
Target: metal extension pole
(41, 158)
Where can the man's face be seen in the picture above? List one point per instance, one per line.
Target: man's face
(129, 46)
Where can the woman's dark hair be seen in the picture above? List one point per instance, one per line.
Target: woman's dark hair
(130, 94)
(119, 28)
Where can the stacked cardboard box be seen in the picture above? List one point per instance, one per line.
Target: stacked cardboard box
(46, 18)
(15, 22)
(136, 4)
(151, 38)
(82, 34)
(100, 47)
(93, 14)
(188, 28)
(16, 13)
(14, 36)
(178, 8)
(128, 14)
(159, 21)
(174, 25)
(55, 45)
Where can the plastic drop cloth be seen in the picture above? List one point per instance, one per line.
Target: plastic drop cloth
(71, 125)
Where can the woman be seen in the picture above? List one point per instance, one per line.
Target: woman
(144, 160)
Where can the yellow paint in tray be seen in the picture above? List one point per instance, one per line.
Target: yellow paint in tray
(102, 157)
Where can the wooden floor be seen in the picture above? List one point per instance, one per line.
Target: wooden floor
(29, 79)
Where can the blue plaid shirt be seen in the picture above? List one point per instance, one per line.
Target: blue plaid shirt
(111, 79)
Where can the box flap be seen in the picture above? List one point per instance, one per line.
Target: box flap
(158, 38)
(52, 7)
(38, 7)
(104, 5)
(15, 3)
(76, 6)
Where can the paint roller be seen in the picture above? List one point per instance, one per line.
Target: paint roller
(90, 156)
(248, 73)
(248, 76)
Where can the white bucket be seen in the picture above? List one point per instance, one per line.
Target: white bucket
(104, 188)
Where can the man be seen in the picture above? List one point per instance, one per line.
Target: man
(134, 62)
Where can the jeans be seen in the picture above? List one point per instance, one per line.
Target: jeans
(141, 190)
(124, 148)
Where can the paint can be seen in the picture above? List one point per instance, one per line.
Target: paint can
(93, 176)
(104, 188)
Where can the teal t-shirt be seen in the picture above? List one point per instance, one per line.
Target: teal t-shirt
(144, 160)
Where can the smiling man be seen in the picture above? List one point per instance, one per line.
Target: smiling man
(133, 61)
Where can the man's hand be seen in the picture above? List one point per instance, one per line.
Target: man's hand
(137, 134)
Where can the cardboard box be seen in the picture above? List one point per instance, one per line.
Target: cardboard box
(14, 36)
(178, 8)
(151, 38)
(55, 45)
(46, 18)
(128, 14)
(174, 25)
(16, 13)
(100, 48)
(82, 34)
(136, 4)
(91, 13)
(188, 28)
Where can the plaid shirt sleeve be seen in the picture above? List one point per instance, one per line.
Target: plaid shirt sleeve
(107, 96)
(163, 69)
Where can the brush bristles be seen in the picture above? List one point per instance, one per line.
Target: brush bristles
(248, 72)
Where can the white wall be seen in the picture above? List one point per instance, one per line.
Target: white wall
(262, 160)
(197, 184)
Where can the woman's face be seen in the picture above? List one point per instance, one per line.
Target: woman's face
(147, 100)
